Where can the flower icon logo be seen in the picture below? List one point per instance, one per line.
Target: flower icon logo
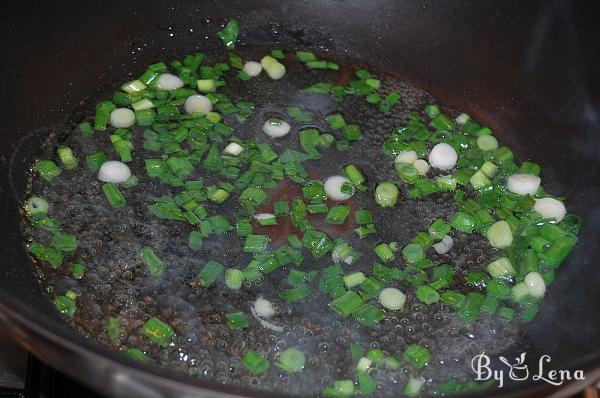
(519, 370)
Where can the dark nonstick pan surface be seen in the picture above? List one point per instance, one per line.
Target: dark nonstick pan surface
(524, 69)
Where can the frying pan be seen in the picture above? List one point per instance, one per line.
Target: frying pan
(529, 70)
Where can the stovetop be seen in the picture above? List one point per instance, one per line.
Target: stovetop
(24, 376)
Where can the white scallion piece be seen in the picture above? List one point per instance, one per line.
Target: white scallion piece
(406, 157)
(364, 364)
(550, 208)
(114, 171)
(444, 246)
(133, 86)
(500, 235)
(263, 308)
(122, 118)
(167, 81)
(462, 118)
(524, 184)
(535, 284)
(276, 128)
(274, 68)
(443, 157)
(392, 298)
(197, 103)
(422, 166)
(333, 188)
(252, 68)
(233, 149)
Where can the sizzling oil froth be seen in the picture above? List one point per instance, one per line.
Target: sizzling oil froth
(117, 285)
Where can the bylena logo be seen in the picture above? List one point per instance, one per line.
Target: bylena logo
(519, 370)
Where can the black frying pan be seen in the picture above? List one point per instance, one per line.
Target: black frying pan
(530, 71)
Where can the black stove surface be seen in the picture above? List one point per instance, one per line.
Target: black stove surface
(24, 376)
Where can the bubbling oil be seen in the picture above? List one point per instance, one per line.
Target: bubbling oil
(116, 284)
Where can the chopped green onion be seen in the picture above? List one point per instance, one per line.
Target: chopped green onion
(47, 169)
(158, 331)
(337, 215)
(234, 278)
(295, 294)
(340, 389)
(500, 268)
(427, 294)
(354, 279)
(236, 320)
(384, 252)
(113, 195)
(291, 360)
(154, 264)
(413, 253)
(65, 305)
(363, 216)
(255, 363)
(64, 243)
(256, 243)
(386, 194)
(347, 303)
(211, 271)
(229, 34)
(416, 355)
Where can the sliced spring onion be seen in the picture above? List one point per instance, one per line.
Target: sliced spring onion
(276, 128)
(413, 253)
(392, 298)
(500, 267)
(229, 34)
(347, 303)
(252, 68)
(337, 215)
(197, 103)
(550, 208)
(444, 246)
(47, 169)
(263, 308)
(416, 355)
(114, 171)
(386, 194)
(209, 274)
(255, 363)
(273, 67)
(36, 206)
(169, 82)
(422, 166)
(353, 279)
(122, 118)
(266, 219)
(333, 188)
(234, 278)
(500, 235)
(406, 157)
(158, 331)
(414, 386)
(155, 265)
(237, 320)
(462, 118)
(256, 243)
(291, 360)
(384, 252)
(114, 196)
(67, 157)
(487, 142)
(535, 284)
(524, 184)
(443, 157)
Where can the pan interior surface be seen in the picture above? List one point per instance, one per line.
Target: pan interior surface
(540, 337)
